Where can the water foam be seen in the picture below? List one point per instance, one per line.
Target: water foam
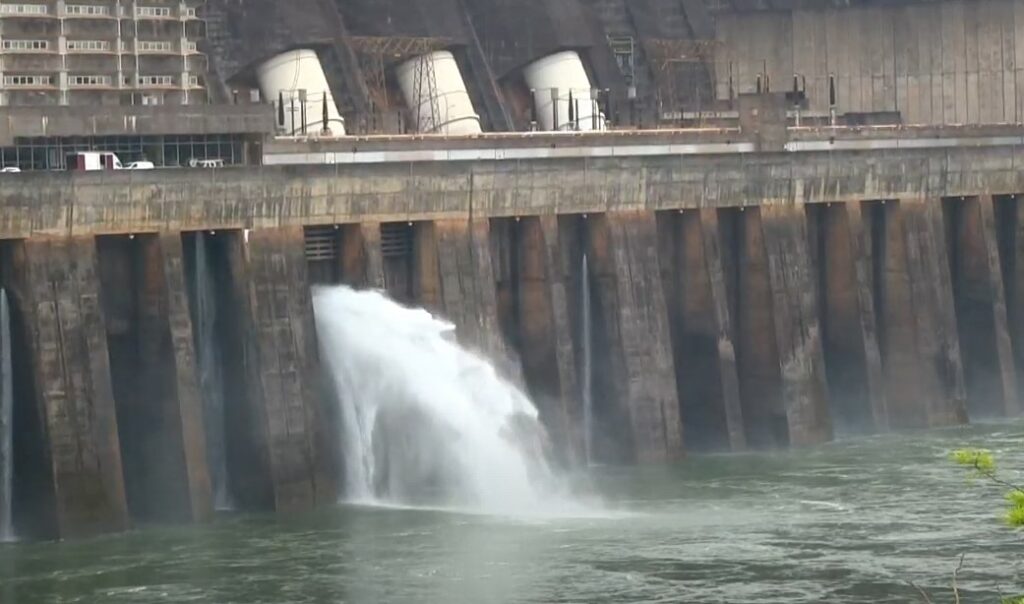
(424, 421)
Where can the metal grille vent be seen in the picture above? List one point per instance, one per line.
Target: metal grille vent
(396, 240)
(321, 243)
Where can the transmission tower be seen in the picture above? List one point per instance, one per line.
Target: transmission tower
(428, 106)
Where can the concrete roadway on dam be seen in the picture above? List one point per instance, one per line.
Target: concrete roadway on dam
(419, 178)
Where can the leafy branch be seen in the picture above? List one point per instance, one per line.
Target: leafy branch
(983, 465)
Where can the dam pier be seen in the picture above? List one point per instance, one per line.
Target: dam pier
(746, 292)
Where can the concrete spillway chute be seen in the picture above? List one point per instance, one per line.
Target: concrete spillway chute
(555, 80)
(435, 92)
(297, 80)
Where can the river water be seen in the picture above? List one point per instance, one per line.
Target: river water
(848, 522)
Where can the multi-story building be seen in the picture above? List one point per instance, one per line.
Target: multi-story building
(101, 52)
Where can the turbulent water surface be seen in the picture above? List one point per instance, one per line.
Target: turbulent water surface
(848, 522)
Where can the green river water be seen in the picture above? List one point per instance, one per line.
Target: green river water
(852, 521)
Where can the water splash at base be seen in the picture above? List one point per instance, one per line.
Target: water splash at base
(425, 422)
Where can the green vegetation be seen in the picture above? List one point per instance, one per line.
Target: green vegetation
(983, 465)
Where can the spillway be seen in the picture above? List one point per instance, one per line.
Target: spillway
(425, 421)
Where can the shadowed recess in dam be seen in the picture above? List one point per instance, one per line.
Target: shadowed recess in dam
(425, 422)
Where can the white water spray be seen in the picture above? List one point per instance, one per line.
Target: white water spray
(424, 421)
(588, 367)
(6, 422)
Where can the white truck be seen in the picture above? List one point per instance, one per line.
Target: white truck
(84, 161)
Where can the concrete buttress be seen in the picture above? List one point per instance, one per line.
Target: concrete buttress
(623, 251)
(468, 285)
(189, 408)
(980, 303)
(914, 302)
(705, 357)
(797, 330)
(562, 332)
(934, 317)
(283, 370)
(861, 246)
(56, 278)
(1009, 223)
(362, 264)
(152, 364)
(533, 308)
(846, 311)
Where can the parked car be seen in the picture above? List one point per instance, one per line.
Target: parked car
(206, 163)
(10, 170)
(140, 165)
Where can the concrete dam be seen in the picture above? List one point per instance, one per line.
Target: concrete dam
(743, 291)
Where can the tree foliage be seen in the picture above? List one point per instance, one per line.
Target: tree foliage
(982, 464)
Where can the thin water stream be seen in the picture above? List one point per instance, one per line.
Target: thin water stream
(588, 364)
(6, 422)
(211, 381)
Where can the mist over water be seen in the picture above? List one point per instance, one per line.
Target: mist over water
(424, 421)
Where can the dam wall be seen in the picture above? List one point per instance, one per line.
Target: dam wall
(949, 62)
(740, 299)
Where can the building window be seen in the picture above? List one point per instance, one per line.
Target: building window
(87, 45)
(28, 80)
(23, 9)
(26, 45)
(151, 98)
(193, 81)
(87, 10)
(150, 80)
(152, 11)
(154, 46)
(189, 12)
(191, 47)
(89, 80)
